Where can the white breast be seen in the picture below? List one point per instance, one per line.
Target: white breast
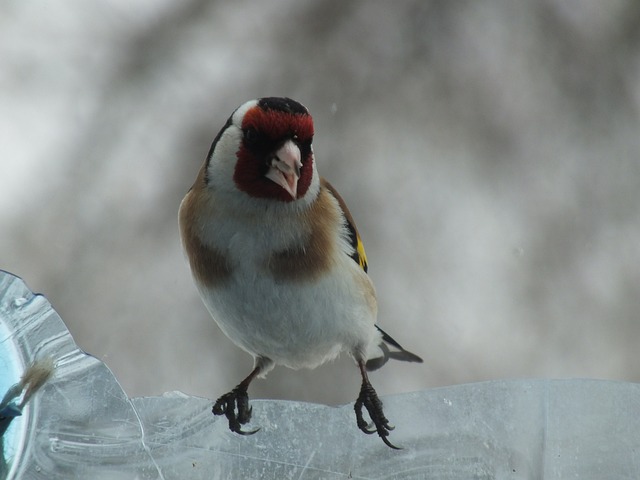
(296, 324)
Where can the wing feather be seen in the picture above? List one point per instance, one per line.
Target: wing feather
(359, 255)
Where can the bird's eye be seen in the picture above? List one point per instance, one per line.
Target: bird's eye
(250, 135)
(305, 148)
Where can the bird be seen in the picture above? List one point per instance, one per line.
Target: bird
(277, 260)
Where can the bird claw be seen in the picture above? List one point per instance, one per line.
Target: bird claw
(235, 406)
(368, 399)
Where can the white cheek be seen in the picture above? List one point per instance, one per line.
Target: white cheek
(224, 158)
(238, 115)
(223, 161)
(314, 187)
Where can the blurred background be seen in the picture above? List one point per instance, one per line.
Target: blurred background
(489, 151)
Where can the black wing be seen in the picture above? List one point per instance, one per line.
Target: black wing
(359, 255)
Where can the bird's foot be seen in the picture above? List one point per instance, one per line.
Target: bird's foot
(368, 399)
(235, 406)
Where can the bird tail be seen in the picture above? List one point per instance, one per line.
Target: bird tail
(387, 354)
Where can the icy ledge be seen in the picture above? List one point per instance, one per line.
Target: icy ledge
(82, 425)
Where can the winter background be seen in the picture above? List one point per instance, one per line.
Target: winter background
(489, 151)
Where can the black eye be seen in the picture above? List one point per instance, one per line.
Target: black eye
(250, 135)
(305, 148)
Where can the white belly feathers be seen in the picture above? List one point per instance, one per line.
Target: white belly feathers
(296, 324)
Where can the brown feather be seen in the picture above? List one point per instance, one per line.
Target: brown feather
(209, 265)
(324, 183)
(314, 256)
(359, 255)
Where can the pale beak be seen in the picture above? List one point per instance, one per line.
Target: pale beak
(284, 168)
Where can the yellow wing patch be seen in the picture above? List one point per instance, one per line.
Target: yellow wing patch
(354, 238)
(362, 256)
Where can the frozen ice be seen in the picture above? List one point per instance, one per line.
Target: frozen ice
(81, 425)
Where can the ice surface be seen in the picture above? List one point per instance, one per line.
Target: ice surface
(81, 425)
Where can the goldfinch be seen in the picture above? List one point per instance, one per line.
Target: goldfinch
(277, 259)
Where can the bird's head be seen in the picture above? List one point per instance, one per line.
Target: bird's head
(264, 150)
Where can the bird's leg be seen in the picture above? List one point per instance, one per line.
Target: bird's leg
(368, 399)
(235, 405)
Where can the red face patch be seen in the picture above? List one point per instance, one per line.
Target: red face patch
(278, 125)
(264, 132)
